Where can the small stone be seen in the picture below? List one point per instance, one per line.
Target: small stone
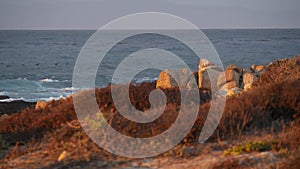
(259, 68)
(40, 105)
(62, 156)
(234, 91)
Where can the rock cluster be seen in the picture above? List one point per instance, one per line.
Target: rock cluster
(171, 78)
(231, 81)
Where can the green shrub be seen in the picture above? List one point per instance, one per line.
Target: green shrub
(95, 122)
(259, 146)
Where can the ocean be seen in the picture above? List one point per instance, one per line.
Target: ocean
(38, 64)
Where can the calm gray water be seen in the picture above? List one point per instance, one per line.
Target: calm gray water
(38, 65)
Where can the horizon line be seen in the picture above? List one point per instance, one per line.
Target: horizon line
(91, 29)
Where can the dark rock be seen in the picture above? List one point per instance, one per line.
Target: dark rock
(4, 97)
(14, 106)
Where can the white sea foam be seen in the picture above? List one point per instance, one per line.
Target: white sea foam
(145, 79)
(48, 80)
(69, 89)
(52, 98)
(20, 78)
(11, 99)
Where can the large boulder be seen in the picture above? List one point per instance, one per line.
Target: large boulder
(204, 80)
(229, 81)
(208, 74)
(248, 80)
(205, 65)
(229, 85)
(166, 79)
(181, 78)
(228, 76)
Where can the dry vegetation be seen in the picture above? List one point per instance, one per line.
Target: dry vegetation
(270, 111)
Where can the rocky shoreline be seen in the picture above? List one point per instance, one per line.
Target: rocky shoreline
(231, 81)
(259, 127)
(13, 106)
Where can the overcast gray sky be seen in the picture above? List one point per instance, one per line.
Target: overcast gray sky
(92, 14)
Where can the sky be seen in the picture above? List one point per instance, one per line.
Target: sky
(93, 14)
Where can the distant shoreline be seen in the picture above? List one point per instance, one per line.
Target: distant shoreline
(17, 105)
(14, 106)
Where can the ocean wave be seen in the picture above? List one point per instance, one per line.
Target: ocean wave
(20, 78)
(145, 79)
(69, 89)
(12, 99)
(3, 93)
(52, 98)
(13, 84)
(32, 91)
(48, 80)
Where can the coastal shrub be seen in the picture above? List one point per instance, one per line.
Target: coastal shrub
(282, 70)
(260, 108)
(249, 147)
(253, 110)
(33, 124)
(271, 102)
